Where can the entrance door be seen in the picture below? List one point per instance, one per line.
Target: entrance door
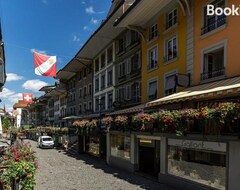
(149, 156)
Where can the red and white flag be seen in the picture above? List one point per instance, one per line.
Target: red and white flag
(27, 97)
(45, 65)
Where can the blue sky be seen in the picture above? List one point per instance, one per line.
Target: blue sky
(52, 27)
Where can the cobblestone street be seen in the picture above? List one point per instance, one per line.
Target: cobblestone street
(59, 171)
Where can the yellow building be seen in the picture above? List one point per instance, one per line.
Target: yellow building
(163, 27)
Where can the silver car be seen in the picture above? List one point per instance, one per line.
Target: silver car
(45, 142)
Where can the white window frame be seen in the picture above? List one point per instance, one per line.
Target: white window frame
(166, 75)
(213, 47)
(155, 79)
(204, 18)
(172, 20)
(153, 32)
(166, 41)
(148, 58)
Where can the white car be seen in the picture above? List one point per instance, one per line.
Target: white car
(45, 142)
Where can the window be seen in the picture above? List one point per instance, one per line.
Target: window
(121, 44)
(110, 54)
(170, 84)
(136, 92)
(199, 161)
(110, 100)
(96, 84)
(171, 49)
(89, 89)
(213, 65)
(80, 108)
(90, 105)
(128, 92)
(152, 89)
(85, 107)
(103, 60)
(121, 146)
(85, 72)
(102, 104)
(134, 37)
(171, 18)
(97, 65)
(97, 104)
(121, 93)
(85, 92)
(152, 58)
(80, 93)
(153, 32)
(135, 63)
(122, 69)
(102, 81)
(110, 78)
(80, 75)
(89, 69)
(212, 22)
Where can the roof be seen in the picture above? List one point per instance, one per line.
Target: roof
(223, 87)
(20, 104)
(141, 12)
(134, 109)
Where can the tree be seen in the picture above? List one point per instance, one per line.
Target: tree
(6, 124)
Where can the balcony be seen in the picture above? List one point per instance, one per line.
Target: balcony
(214, 25)
(135, 72)
(213, 74)
(122, 78)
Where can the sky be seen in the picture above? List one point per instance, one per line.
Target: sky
(50, 27)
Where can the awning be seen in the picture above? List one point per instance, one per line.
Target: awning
(134, 109)
(204, 91)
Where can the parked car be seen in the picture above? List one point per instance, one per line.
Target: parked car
(45, 142)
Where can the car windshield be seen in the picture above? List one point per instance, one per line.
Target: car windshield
(47, 139)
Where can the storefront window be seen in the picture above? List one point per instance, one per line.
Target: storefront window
(120, 146)
(199, 161)
(92, 145)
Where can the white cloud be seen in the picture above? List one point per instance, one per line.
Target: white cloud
(13, 77)
(83, 2)
(75, 38)
(6, 93)
(39, 51)
(34, 85)
(90, 10)
(15, 97)
(94, 21)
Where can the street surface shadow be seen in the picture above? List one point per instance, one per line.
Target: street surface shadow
(143, 181)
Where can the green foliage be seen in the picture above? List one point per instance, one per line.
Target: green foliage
(22, 166)
(6, 124)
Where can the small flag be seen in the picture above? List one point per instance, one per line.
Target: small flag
(27, 97)
(45, 65)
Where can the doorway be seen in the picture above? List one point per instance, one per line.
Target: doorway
(149, 157)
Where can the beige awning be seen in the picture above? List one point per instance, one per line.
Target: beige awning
(204, 91)
(134, 109)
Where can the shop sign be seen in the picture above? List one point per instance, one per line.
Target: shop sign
(200, 145)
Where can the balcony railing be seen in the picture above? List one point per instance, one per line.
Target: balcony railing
(121, 78)
(217, 23)
(213, 74)
(135, 72)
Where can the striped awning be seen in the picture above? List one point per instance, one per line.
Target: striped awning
(204, 91)
(134, 109)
